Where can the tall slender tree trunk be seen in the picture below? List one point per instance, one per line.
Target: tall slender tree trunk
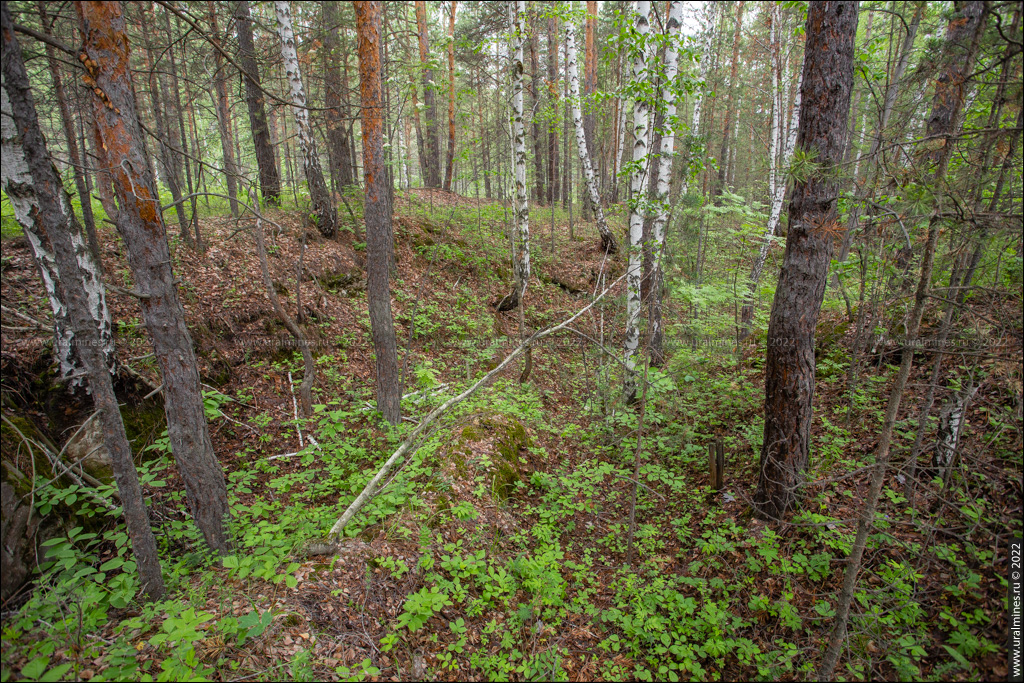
(867, 185)
(181, 139)
(521, 238)
(538, 143)
(776, 180)
(69, 135)
(567, 157)
(105, 57)
(723, 155)
(337, 142)
(19, 185)
(377, 210)
(451, 98)
(665, 156)
(55, 216)
(962, 37)
(638, 186)
(270, 181)
(220, 83)
(323, 206)
(170, 163)
(553, 99)
(432, 151)
(589, 88)
(608, 242)
(789, 373)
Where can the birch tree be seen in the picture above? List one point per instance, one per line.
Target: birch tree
(323, 207)
(21, 191)
(521, 239)
(53, 215)
(776, 179)
(608, 242)
(638, 186)
(665, 155)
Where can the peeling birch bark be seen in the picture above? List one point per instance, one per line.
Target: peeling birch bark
(638, 186)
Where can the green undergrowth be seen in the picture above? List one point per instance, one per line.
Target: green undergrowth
(503, 537)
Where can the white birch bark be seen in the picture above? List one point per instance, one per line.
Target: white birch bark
(607, 239)
(521, 265)
(779, 193)
(20, 189)
(675, 20)
(322, 204)
(705, 60)
(638, 186)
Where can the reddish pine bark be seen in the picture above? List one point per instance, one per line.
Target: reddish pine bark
(432, 152)
(449, 166)
(104, 57)
(377, 210)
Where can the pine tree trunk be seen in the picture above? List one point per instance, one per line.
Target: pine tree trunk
(323, 206)
(69, 135)
(789, 373)
(377, 210)
(54, 214)
(589, 87)
(608, 242)
(451, 98)
(105, 53)
(337, 142)
(165, 134)
(553, 180)
(638, 187)
(538, 143)
(224, 114)
(270, 181)
(432, 148)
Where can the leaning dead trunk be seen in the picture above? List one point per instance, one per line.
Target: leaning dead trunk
(323, 207)
(105, 58)
(608, 242)
(54, 214)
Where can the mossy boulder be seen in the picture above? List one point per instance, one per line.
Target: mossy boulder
(491, 446)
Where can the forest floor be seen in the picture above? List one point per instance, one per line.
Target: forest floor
(499, 549)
